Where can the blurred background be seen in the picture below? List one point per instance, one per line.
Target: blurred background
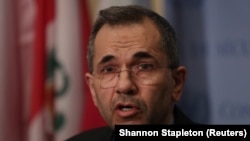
(43, 95)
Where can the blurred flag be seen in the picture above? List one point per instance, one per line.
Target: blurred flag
(59, 96)
(40, 127)
(10, 86)
(69, 74)
(92, 117)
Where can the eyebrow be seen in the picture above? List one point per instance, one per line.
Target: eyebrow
(141, 54)
(138, 55)
(106, 58)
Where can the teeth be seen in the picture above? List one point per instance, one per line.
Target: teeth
(126, 109)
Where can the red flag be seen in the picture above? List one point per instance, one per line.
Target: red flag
(37, 129)
(92, 118)
(10, 75)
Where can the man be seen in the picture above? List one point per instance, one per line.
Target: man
(135, 76)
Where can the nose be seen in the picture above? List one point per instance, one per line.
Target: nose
(125, 84)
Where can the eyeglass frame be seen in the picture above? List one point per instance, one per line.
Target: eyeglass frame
(134, 72)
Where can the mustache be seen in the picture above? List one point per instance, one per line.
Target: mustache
(126, 99)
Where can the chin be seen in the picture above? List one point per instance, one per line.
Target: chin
(131, 122)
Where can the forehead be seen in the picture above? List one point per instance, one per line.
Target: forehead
(125, 40)
(143, 31)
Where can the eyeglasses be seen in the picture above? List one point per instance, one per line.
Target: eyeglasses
(144, 73)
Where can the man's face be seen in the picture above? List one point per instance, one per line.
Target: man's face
(128, 100)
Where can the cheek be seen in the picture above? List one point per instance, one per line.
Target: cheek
(104, 97)
(157, 97)
(150, 96)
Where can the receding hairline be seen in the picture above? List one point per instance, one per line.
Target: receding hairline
(144, 20)
(146, 23)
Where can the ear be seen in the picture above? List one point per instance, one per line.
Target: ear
(179, 77)
(90, 82)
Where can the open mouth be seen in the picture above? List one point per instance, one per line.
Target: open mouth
(126, 110)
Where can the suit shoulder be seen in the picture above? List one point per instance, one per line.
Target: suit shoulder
(97, 134)
(180, 117)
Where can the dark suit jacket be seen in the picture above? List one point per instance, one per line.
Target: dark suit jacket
(105, 133)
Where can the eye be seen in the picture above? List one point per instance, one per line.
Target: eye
(108, 69)
(145, 67)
